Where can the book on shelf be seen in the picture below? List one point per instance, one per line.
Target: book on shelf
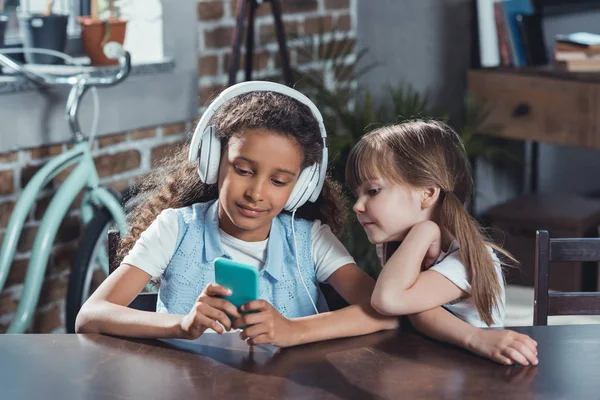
(512, 8)
(488, 39)
(578, 65)
(572, 48)
(582, 40)
(575, 55)
(532, 38)
(503, 45)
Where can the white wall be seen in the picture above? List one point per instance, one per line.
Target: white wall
(422, 42)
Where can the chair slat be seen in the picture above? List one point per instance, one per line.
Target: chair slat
(113, 244)
(540, 290)
(144, 301)
(574, 303)
(570, 249)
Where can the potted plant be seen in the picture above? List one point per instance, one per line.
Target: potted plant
(43, 31)
(103, 32)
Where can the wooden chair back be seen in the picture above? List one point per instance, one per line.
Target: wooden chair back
(548, 250)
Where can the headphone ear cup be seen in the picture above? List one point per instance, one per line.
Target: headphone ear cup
(311, 184)
(303, 188)
(290, 205)
(320, 176)
(311, 187)
(210, 156)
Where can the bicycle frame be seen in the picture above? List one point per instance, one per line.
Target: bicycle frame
(83, 176)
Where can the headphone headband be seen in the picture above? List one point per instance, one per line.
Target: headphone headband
(243, 88)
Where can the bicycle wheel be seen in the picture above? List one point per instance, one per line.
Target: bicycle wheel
(88, 271)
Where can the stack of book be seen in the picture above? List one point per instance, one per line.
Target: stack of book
(579, 52)
(510, 33)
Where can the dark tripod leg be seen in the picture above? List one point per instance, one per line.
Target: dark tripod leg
(250, 39)
(237, 40)
(283, 52)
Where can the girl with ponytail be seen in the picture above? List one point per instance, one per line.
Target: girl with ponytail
(412, 181)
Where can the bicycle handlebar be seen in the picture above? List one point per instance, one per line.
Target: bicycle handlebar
(79, 83)
(55, 80)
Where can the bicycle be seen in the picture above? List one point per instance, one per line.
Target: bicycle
(100, 207)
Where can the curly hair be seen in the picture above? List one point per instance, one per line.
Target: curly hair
(177, 184)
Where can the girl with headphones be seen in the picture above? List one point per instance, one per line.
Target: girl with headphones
(252, 187)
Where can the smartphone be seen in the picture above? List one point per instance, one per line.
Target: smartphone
(242, 279)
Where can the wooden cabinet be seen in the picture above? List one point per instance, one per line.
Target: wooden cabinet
(542, 106)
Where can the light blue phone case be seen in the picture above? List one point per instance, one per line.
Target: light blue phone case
(242, 279)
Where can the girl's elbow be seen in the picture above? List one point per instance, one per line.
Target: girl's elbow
(84, 323)
(382, 304)
(82, 326)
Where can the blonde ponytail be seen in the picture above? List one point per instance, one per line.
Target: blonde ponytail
(485, 284)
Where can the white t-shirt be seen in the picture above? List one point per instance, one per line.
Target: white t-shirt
(451, 266)
(153, 250)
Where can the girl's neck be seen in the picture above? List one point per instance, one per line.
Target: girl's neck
(245, 235)
(254, 235)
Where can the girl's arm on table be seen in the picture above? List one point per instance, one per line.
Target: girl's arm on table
(356, 287)
(501, 345)
(353, 284)
(106, 310)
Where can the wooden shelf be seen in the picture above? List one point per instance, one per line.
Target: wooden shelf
(541, 105)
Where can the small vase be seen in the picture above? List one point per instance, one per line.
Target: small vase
(95, 34)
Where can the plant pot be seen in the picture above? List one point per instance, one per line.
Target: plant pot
(44, 32)
(3, 22)
(95, 34)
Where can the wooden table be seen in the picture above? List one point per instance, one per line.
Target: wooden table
(383, 365)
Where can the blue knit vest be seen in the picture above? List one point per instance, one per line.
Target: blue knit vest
(198, 244)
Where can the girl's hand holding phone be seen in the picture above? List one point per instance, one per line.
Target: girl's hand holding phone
(209, 311)
(265, 325)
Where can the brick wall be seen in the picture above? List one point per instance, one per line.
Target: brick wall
(125, 156)
(300, 18)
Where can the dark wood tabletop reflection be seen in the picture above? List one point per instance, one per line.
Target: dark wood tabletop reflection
(383, 365)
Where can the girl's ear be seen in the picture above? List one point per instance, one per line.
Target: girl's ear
(429, 196)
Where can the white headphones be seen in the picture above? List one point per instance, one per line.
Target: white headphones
(206, 147)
